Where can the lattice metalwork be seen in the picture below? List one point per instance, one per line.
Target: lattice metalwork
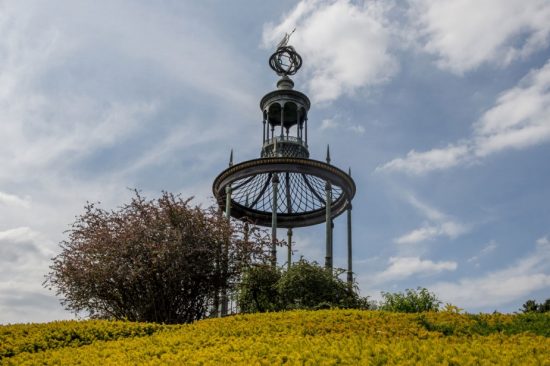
(297, 193)
(301, 191)
(286, 149)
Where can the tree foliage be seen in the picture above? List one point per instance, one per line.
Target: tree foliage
(305, 285)
(151, 260)
(412, 301)
(531, 306)
(258, 289)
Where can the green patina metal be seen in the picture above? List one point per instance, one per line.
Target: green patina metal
(284, 188)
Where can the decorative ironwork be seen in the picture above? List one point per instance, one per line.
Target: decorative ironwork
(285, 146)
(300, 196)
(284, 188)
(285, 61)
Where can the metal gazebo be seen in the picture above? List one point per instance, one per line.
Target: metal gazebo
(284, 188)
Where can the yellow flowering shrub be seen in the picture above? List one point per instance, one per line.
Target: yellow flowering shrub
(325, 337)
(19, 338)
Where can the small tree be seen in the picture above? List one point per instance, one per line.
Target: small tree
(531, 306)
(306, 285)
(412, 301)
(258, 289)
(160, 260)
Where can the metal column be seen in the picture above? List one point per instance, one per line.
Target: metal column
(225, 254)
(350, 256)
(289, 255)
(282, 120)
(275, 182)
(328, 201)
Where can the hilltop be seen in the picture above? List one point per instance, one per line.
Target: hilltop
(324, 337)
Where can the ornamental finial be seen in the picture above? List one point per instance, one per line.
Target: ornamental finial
(285, 39)
(285, 61)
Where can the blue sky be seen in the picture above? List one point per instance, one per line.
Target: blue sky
(440, 108)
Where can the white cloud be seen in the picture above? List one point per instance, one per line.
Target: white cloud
(22, 252)
(304, 245)
(487, 249)
(518, 120)
(343, 124)
(520, 117)
(14, 200)
(61, 101)
(42, 129)
(358, 129)
(543, 242)
(25, 260)
(449, 229)
(402, 267)
(19, 234)
(428, 211)
(439, 224)
(80, 128)
(25, 257)
(419, 235)
(328, 123)
(345, 45)
(26, 306)
(422, 162)
(496, 288)
(464, 34)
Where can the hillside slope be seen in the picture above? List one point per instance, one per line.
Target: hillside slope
(325, 337)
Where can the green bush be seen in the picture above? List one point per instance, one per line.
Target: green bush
(531, 306)
(305, 285)
(485, 324)
(412, 301)
(258, 291)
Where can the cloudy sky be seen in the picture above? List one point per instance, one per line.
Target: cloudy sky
(440, 107)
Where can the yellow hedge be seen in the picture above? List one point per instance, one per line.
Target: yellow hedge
(327, 337)
(18, 338)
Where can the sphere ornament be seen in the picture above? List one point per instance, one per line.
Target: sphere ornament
(285, 61)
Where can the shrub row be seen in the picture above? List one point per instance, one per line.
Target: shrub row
(18, 338)
(324, 337)
(485, 324)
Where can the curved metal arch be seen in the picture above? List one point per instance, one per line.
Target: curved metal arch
(276, 96)
(282, 164)
(292, 212)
